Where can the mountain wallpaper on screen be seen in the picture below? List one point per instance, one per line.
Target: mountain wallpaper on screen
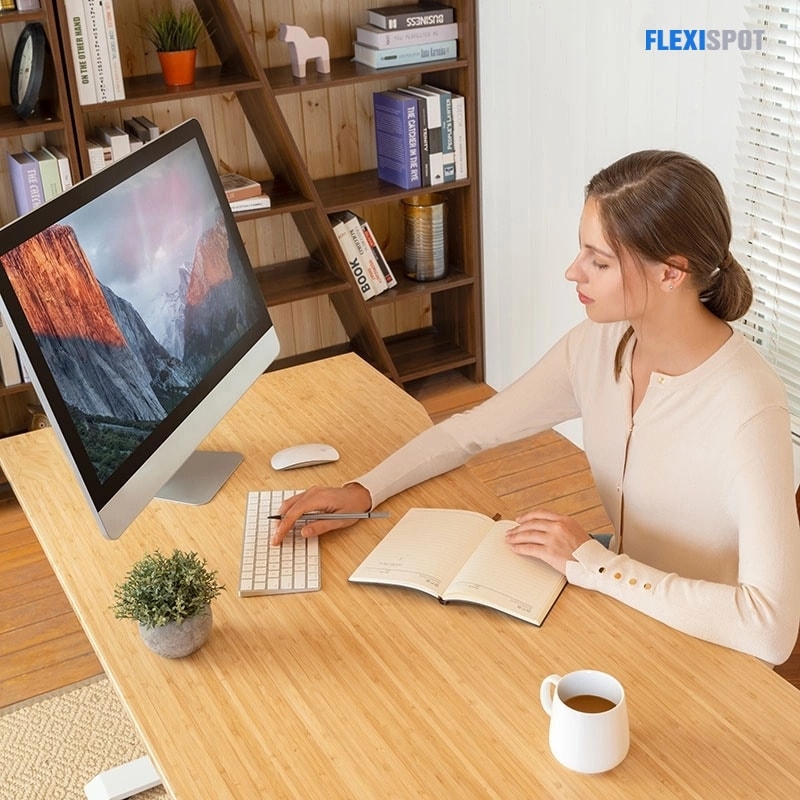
(117, 380)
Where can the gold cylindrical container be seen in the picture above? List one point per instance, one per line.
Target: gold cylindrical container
(425, 237)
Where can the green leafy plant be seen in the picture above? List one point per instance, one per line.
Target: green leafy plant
(160, 589)
(169, 30)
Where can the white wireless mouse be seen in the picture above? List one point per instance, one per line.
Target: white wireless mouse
(304, 455)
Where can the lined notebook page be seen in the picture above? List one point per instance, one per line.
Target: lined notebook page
(499, 578)
(425, 549)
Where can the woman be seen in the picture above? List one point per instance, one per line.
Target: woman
(685, 426)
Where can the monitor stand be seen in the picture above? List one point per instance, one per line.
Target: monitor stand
(200, 477)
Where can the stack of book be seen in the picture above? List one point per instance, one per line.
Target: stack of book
(111, 143)
(363, 253)
(37, 176)
(243, 193)
(409, 34)
(95, 50)
(420, 136)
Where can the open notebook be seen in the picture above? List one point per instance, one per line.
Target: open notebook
(458, 555)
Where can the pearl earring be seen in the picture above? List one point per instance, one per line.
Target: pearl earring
(671, 287)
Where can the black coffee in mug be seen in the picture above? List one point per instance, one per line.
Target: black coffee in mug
(589, 703)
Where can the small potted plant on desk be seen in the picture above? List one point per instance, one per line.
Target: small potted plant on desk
(174, 35)
(170, 598)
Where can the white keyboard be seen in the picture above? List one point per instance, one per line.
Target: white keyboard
(292, 566)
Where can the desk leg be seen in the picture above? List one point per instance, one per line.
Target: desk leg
(123, 781)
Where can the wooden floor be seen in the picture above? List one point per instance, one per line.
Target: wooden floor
(42, 646)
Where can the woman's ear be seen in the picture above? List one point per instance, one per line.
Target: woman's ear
(673, 273)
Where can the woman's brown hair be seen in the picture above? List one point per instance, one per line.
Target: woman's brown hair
(657, 205)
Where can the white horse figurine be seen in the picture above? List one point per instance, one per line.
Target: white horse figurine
(303, 47)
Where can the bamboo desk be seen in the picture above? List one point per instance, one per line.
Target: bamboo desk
(364, 692)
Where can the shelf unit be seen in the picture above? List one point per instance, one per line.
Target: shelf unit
(51, 124)
(290, 133)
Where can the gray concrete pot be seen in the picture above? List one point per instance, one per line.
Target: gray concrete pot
(178, 639)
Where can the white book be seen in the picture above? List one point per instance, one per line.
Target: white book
(366, 256)
(99, 155)
(118, 140)
(114, 57)
(98, 51)
(251, 203)
(372, 241)
(64, 170)
(79, 45)
(381, 38)
(458, 555)
(460, 136)
(352, 257)
(9, 363)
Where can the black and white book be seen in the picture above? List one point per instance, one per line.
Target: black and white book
(411, 15)
(79, 38)
(352, 257)
(365, 255)
(377, 251)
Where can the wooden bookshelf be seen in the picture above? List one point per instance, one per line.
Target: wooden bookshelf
(311, 142)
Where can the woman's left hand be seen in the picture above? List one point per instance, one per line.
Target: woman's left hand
(548, 536)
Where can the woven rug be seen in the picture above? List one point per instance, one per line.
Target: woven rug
(50, 749)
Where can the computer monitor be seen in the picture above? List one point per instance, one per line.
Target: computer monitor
(136, 313)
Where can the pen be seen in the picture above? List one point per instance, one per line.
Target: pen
(312, 516)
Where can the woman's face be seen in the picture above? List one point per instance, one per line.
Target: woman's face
(598, 274)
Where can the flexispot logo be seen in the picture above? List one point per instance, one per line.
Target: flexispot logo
(702, 39)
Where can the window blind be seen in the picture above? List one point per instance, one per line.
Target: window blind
(766, 193)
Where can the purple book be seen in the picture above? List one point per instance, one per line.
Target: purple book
(397, 139)
(25, 182)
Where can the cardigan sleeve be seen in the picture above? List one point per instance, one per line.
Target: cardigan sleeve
(536, 401)
(761, 612)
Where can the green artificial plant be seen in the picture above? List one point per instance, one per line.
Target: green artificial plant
(170, 31)
(160, 589)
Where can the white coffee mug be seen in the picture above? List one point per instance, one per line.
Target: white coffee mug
(588, 719)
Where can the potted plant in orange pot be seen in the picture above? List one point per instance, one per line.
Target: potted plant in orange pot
(174, 35)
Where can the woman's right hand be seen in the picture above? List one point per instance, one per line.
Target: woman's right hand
(350, 499)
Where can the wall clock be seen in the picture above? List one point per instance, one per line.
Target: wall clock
(27, 69)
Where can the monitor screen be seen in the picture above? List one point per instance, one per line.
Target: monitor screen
(137, 315)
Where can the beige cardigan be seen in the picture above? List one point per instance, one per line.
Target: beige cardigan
(709, 542)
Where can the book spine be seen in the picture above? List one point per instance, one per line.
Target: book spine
(117, 140)
(372, 241)
(251, 203)
(432, 102)
(460, 136)
(391, 20)
(99, 155)
(48, 173)
(151, 130)
(365, 254)
(25, 182)
(424, 140)
(79, 43)
(28, 5)
(397, 139)
(114, 57)
(377, 37)
(400, 56)
(98, 50)
(351, 256)
(448, 143)
(64, 171)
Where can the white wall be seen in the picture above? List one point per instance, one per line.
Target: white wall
(565, 89)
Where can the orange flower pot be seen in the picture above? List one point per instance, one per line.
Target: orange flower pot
(178, 67)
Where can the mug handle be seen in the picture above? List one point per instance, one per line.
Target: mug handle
(546, 692)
